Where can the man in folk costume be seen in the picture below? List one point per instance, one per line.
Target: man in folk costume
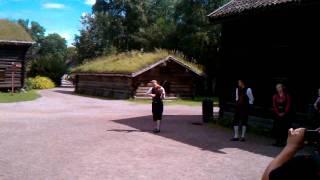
(244, 99)
(157, 93)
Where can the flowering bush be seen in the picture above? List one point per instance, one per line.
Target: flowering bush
(40, 82)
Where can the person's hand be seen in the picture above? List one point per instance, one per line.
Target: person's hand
(281, 114)
(295, 138)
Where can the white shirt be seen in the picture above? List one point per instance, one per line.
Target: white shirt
(249, 94)
(163, 92)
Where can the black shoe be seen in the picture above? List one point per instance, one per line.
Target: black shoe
(234, 139)
(242, 139)
(156, 131)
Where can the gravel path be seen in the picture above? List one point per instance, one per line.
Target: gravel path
(62, 136)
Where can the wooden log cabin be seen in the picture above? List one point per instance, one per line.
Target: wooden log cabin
(180, 79)
(14, 44)
(266, 42)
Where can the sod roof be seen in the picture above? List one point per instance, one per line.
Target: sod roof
(11, 32)
(133, 63)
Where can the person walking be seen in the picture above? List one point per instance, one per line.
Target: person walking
(157, 93)
(244, 99)
(282, 109)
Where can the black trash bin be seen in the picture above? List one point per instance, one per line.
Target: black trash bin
(207, 110)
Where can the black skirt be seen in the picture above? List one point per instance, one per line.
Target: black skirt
(157, 110)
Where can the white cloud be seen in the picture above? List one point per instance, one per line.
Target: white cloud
(84, 14)
(90, 2)
(53, 6)
(66, 36)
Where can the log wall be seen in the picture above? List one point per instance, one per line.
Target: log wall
(11, 54)
(104, 86)
(176, 79)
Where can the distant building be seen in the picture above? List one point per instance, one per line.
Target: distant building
(14, 43)
(178, 78)
(266, 42)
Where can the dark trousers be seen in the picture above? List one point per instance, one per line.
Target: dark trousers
(241, 115)
(281, 126)
(157, 110)
(316, 120)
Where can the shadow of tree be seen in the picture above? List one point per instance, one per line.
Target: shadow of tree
(187, 129)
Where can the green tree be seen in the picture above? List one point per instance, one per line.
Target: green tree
(36, 31)
(72, 57)
(53, 44)
(51, 59)
(49, 65)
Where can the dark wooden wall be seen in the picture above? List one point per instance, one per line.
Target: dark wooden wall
(176, 79)
(179, 82)
(104, 86)
(12, 54)
(272, 46)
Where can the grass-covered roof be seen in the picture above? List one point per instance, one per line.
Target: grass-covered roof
(132, 62)
(10, 31)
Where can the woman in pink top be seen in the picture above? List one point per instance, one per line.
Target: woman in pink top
(281, 108)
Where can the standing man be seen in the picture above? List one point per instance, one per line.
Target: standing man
(244, 99)
(157, 93)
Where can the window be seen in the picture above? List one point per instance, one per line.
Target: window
(2, 75)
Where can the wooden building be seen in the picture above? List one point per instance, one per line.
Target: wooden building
(266, 42)
(178, 78)
(14, 43)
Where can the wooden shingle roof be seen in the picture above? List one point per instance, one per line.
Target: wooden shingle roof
(234, 7)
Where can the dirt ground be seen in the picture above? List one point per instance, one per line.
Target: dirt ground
(63, 136)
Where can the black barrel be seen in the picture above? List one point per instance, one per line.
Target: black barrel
(207, 110)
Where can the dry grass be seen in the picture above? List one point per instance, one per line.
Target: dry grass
(10, 31)
(130, 62)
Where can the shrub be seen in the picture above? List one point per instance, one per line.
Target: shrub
(40, 82)
(50, 65)
(28, 85)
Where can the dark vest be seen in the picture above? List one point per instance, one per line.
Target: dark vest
(243, 98)
(158, 92)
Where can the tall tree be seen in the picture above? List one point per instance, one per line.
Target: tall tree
(51, 58)
(36, 31)
(53, 44)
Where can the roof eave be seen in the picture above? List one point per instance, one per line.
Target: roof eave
(218, 18)
(162, 61)
(215, 11)
(17, 42)
(186, 66)
(135, 74)
(102, 74)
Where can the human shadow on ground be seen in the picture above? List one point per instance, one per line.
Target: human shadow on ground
(186, 129)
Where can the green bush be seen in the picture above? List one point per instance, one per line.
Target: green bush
(50, 65)
(40, 82)
(28, 84)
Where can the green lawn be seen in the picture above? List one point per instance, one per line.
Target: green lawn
(18, 97)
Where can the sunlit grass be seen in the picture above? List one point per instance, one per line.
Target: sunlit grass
(11, 31)
(18, 97)
(129, 62)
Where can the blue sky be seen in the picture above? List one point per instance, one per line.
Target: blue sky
(57, 16)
